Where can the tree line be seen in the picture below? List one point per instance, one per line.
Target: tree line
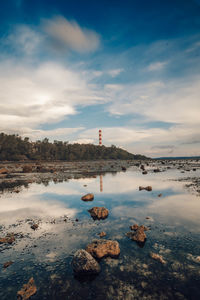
(15, 148)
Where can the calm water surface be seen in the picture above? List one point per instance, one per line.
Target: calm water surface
(46, 253)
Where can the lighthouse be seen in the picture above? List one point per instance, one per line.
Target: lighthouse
(100, 137)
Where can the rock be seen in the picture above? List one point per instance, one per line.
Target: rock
(84, 263)
(98, 213)
(102, 234)
(147, 188)
(157, 257)
(3, 171)
(27, 169)
(144, 172)
(156, 170)
(142, 167)
(102, 248)
(34, 226)
(7, 264)
(159, 195)
(138, 236)
(27, 290)
(134, 227)
(123, 169)
(88, 197)
(9, 239)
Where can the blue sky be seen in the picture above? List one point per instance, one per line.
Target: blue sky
(131, 68)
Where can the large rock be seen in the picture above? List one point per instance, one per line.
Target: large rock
(27, 290)
(101, 248)
(98, 213)
(84, 263)
(88, 197)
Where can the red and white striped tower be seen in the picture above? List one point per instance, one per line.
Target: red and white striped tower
(100, 138)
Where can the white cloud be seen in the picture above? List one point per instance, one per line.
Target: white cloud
(31, 96)
(64, 34)
(170, 101)
(115, 72)
(24, 40)
(156, 66)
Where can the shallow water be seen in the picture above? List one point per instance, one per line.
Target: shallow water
(46, 253)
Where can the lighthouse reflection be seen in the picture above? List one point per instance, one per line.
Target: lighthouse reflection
(101, 183)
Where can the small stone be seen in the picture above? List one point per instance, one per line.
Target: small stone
(159, 195)
(157, 257)
(144, 172)
(102, 234)
(9, 239)
(143, 284)
(27, 290)
(98, 213)
(102, 248)
(156, 170)
(84, 263)
(134, 227)
(34, 226)
(138, 236)
(7, 264)
(88, 197)
(147, 188)
(3, 171)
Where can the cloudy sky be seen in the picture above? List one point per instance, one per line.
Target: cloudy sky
(130, 68)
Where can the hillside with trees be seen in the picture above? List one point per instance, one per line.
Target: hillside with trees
(15, 148)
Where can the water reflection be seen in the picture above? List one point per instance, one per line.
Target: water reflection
(46, 253)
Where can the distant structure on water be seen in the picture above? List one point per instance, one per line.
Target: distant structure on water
(100, 137)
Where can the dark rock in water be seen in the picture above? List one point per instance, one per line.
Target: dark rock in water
(98, 213)
(157, 257)
(84, 263)
(142, 167)
(147, 188)
(102, 248)
(34, 226)
(159, 195)
(7, 264)
(194, 169)
(102, 234)
(77, 220)
(123, 169)
(27, 290)
(144, 172)
(156, 170)
(88, 197)
(3, 171)
(9, 239)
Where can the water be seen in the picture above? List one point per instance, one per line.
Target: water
(46, 253)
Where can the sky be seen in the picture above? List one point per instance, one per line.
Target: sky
(130, 68)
